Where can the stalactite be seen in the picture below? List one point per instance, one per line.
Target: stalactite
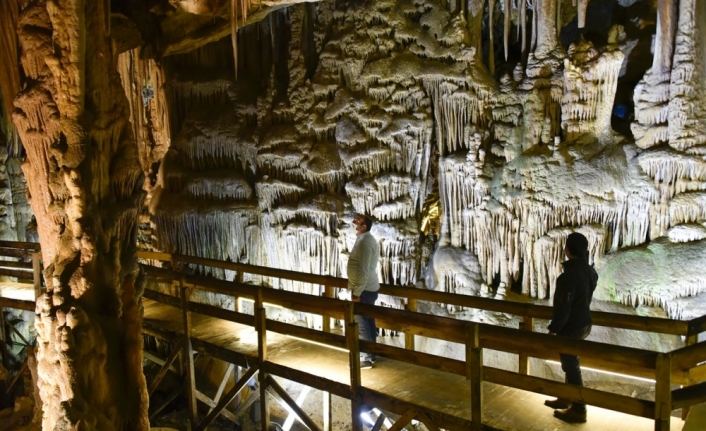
(687, 104)
(491, 43)
(664, 40)
(234, 33)
(582, 6)
(523, 26)
(506, 26)
(590, 83)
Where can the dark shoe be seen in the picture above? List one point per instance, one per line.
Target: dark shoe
(558, 403)
(571, 415)
(366, 365)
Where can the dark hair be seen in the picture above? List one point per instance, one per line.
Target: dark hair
(577, 245)
(368, 222)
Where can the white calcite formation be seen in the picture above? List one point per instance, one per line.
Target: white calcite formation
(374, 109)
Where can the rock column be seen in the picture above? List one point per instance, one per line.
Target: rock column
(85, 184)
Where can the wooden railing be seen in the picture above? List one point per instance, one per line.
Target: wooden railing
(684, 366)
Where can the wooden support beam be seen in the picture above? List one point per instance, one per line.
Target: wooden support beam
(165, 367)
(172, 396)
(212, 404)
(403, 421)
(226, 399)
(15, 379)
(527, 324)
(409, 337)
(261, 326)
(354, 363)
(663, 392)
(254, 396)
(37, 274)
(224, 382)
(3, 339)
(188, 355)
(328, 411)
(24, 340)
(474, 363)
(691, 339)
(378, 423)
(427, 421)
(159, 361)
(301, 414)
(326, 322)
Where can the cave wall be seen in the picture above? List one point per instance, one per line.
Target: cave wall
(382, 107)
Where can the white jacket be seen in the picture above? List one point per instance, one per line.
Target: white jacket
(362, 265)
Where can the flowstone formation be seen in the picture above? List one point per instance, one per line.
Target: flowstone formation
(376, 108)
(338, 116)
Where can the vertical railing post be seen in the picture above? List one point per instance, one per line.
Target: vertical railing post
(188, 354)
(474, 373)
(239, 279)
(523, 367)
(37, 273)
(691, 338)
(409, 337)
(261, 327)
(663, 391)
(326, 319)
(354, 364)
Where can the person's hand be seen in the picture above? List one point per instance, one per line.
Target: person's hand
(355, 298)
(552, 333)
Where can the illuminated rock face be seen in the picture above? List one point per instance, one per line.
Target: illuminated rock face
(85, 182)
(344, 107)
(378, 108)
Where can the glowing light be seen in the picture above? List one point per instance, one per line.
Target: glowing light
(610, 373)
(367, 419)
(300, 400)
(340, 349)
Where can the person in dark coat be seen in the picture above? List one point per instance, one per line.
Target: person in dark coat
(572, 317)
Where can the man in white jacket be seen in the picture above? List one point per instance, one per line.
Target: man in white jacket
(363, 279)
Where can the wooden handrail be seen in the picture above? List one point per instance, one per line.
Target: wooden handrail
(689, 396)
(614, 320)
(689, 356)
(34, 246)
(539, 345)
(621, 359)
(697, 325)
(18, 304)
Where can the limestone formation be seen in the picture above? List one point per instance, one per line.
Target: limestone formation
(263, 127)
(85, 184)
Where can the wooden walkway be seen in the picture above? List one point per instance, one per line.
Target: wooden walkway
(430, 390)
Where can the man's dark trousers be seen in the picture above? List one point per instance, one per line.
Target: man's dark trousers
(366, 325)
(571, 364)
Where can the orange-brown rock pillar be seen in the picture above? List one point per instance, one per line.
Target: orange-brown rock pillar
(84, 181)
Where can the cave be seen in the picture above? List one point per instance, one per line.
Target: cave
(232, 143)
